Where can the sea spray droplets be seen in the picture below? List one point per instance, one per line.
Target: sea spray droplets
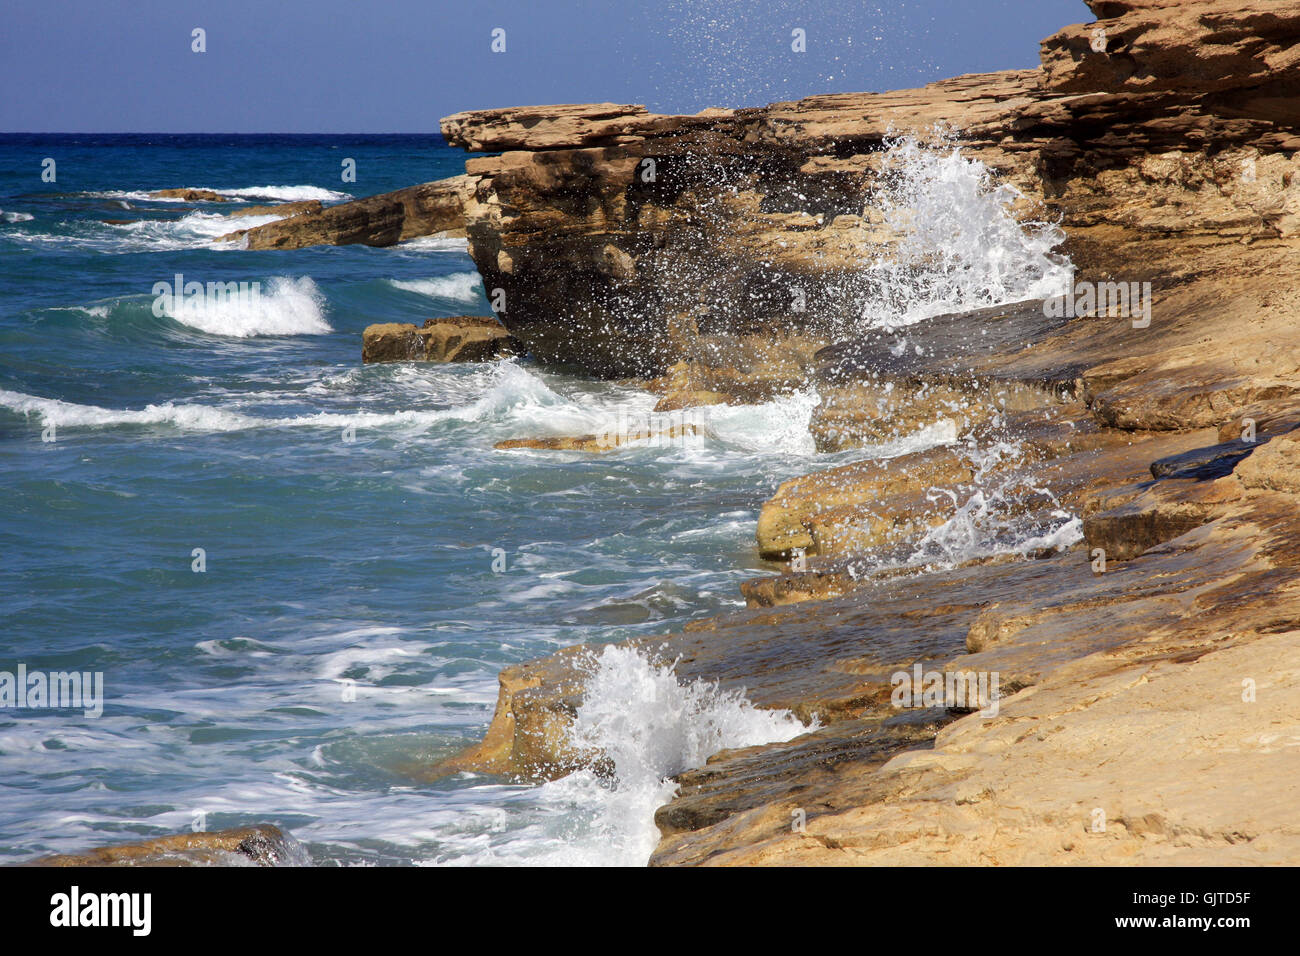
(997, 515)
(962, 248)
(649, 727)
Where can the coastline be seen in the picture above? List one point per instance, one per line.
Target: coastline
(1134, 427)
(1099, 516)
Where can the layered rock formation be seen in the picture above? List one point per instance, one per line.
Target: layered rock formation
(437, 208)
(627, 241)
(1147, 672)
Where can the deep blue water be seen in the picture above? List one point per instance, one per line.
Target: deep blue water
(327, 561)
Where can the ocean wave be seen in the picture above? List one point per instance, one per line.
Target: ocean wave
(243, 193)
(285, 193)
(197, 230)
(462, 286)
(433, 244)
(52, 411)
(288, 307)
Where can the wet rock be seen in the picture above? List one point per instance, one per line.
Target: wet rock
(189, 195)
(261, 845)
(603, 443)
(783, 522)
(457, 338)
(528, 737)
(1130, 520)
(1211, 462)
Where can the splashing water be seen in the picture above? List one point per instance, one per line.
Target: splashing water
(648, 727)
(998, 515)
(962, 248)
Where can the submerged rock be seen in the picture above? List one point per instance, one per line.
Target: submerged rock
(261, 845)
(602, 443)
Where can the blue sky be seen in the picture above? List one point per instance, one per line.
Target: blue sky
(325, 66)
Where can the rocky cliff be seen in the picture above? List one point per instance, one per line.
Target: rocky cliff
(1148, 671)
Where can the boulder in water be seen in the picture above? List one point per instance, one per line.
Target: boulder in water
(189, 195)
(455, 338)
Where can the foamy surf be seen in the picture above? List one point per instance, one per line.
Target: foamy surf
(649, 727)
(433, 244)
(241, 193)
(196, 230)
(462, 286)
(288, 307)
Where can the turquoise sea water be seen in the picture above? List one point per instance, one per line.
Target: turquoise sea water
(333, 568)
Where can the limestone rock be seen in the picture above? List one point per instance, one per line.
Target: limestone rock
(603, 443)
(261, 845)
(189, 195)
(428, 209)
(286, 209)
(457, 338)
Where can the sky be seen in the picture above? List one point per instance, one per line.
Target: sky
(398, 66)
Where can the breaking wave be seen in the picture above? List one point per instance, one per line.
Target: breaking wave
(288, 307)
(242, 193)
(463, 286)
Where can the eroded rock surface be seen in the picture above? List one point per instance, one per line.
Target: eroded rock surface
(1148, 670)
(454, 338)
(429, 209)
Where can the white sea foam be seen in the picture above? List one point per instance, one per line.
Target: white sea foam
(780, 425)
(189, 417)
(288, 306)
(284, 193)
(193, 231)
(649, 727)
(962, 247)
(1002, 511)
(463, 286)
(196, 230)
(247, 193)
(433, 244)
